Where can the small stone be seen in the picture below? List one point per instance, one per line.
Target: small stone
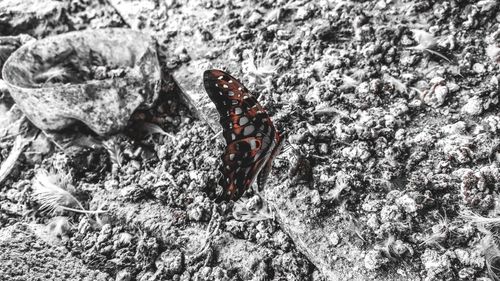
(399, 248)
(334, 238)
(363, 88)
(100, 72)
(124, 239)
(374, 260)
(376, 86)
(493, 52)
(435, 263)
(453, 87)
(436, 96)
(479, 68)
(244, 33)
(136, 165)
(283, 34)
(105, 233)
(474, 106)
(303, 13)
(324, 32)
(195, 213)
(171, 262)
(373, 222)
(323, 148)
(437, 81)
(407, 203)
(407, 58)
(254, 19)
(59, 226)
(390, 213)
(123, 275)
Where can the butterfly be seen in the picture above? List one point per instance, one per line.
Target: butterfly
(252, 140)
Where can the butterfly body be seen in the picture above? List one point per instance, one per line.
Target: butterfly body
(252, 140)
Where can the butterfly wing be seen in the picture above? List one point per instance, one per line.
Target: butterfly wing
(264, 173)
(247, 129)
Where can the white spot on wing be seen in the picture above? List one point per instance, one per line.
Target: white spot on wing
(230, 93)
(253, 144)
(243, 120)
(225, 86)
(220, 77)
(248, 130)
(231, 156)
(237, 110)
(230, 81)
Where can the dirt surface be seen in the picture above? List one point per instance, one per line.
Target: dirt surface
(25, 256)
(392, 170)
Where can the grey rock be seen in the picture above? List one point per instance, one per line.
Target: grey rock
(312, 236)
(33, 17)
(28, 253)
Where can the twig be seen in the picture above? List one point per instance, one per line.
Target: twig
(9, 163)
(216, 135)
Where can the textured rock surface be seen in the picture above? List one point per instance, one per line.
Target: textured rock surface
(330, 244)
(34, 17)
(104, 104)
(24, 255)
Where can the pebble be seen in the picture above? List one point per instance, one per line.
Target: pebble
(436, 95)
(244, 33)
(302, 14)
(172, 261)
(254, 19)
(473, 107)
(123, 275)
(390, 213)
(124, 239)
(324, 32)
(334, 238)
(407, 203)
(479, 68)
(374, 260)
(453, 87)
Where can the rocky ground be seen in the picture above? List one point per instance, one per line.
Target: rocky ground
(391, 172)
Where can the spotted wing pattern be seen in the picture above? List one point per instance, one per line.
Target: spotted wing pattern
(249, 133)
